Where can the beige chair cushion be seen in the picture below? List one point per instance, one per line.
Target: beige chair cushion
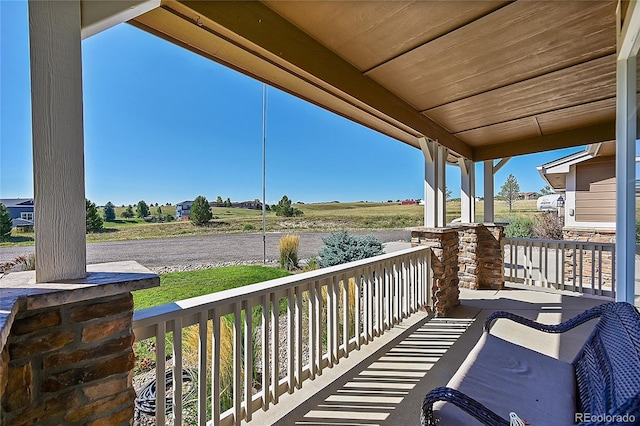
(506, 377)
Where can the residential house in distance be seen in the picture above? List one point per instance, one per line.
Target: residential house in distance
(253, 205)
(183, 209)
(588, 181)
(528, 196)
(20, 210)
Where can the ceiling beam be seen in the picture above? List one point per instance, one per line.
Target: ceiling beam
(583, 136)
(261, 30)
(100, 15)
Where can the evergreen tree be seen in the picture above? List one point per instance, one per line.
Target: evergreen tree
(219, 200)
(283, 208)
(200, 211)
(509, 191)
(128, 213)
(142, 209)
(546, 190)
(227, 203)
(5, 223)
(109, 212)
(94, 221)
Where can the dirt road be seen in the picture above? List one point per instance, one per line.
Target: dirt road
(197, 250)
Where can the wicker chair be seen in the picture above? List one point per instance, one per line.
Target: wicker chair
(606, 374)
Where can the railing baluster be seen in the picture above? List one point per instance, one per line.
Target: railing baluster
(600, 270)
(335, 297)
(237, 363)
(203, 344)
(311, 295)
(161, 359)
(388, 271)
(358, 307)
(177, 371)
(581, 266)
(275, 348)
(266, 399)
(215, 367)
(593, 270)
(319, 329)
(248, 359)
(345, 314)
(330, 329)
(290, 341)
(298, 323)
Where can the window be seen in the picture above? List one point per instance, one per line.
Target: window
(26, 215)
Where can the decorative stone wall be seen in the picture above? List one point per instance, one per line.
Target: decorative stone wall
(584, 264)
(70, 364)
(480, 256)
(444, 263)
(467, 255)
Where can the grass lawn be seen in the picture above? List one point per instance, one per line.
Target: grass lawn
(183, 285)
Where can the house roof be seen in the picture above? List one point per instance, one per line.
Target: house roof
(554, 172)
(17, 202)
(487, 79)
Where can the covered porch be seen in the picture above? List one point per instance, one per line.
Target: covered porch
(464, 82)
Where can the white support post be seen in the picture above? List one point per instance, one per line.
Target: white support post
(626, 134)
(435, 157)
(468, 193)
(490, 171)
(488, 191)
(58, 140)
(441, 183)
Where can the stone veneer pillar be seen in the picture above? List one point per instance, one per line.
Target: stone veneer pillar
(444, 264)
(68, 356)
(468, 255)
(480, 258)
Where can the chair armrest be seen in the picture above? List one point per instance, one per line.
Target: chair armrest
(462, 401)
(557, 328)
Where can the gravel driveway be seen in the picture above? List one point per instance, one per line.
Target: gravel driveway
(170, 252)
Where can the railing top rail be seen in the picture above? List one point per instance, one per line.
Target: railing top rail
(225, 297)
(543, 240)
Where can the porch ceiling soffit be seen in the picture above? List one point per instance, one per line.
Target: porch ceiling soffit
(253, 39)
(485, 79)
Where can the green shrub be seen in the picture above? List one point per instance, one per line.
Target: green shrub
(248, 227)
(5, 223)
(341, 247)
(519, 227)
(311, 265)
(289, 252)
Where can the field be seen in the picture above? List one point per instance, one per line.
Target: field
(317, 217)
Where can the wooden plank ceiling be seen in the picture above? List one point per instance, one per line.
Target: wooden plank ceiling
(487, 79)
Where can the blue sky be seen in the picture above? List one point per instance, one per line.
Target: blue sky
(165, 125)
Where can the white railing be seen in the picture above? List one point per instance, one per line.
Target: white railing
(584, 267)
(328, 313)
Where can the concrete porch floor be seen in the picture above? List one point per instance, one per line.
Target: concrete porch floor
(385, 382)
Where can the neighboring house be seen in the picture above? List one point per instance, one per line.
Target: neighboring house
(409, 202)
(528, 196)
(183, 209)
(588, 181)
(20, 210)
(253, 205)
